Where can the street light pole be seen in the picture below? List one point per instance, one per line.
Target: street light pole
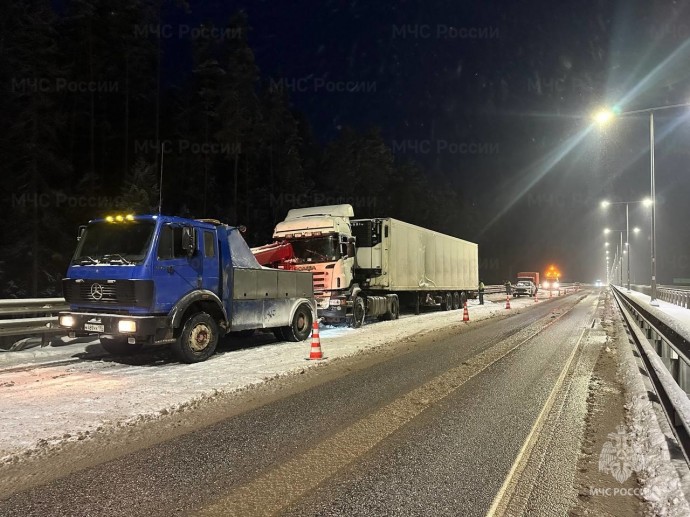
(627, 241)
(653, 301)
(620, 274)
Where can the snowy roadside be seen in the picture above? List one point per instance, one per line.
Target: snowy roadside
(662, 478)
(43, 408)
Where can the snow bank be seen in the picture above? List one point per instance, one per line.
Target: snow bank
(661, 485)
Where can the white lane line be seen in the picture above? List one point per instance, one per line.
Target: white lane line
(501, 501)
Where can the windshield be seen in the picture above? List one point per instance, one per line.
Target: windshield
(108, 243)
(317, 249)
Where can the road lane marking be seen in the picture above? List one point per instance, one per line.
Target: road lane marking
(284, 484)
(505, 493)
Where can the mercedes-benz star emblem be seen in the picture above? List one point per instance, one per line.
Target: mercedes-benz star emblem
(96, 291)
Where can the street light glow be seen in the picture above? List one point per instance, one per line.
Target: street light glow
(636, 229)
(606, 230)
(603, 116)
(605, 203)
(647, 202)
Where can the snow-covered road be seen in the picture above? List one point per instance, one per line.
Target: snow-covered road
(86, 392)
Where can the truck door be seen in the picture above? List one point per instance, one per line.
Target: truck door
(211, 265)
(175, 272)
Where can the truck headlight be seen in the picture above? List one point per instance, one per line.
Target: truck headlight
(66, 321)
(127, 326)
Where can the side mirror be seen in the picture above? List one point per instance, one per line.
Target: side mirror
(188, 240)
(80, 232)
(351, 247)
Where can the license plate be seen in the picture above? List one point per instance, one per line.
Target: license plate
(335, 302)
(94, 328)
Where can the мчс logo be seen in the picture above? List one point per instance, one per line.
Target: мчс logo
(618, 457)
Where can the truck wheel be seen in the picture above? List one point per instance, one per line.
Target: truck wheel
(456, 301)
(300, 328)
(119, 346)
(358, 312)
(394, 312)
(395, 309)
(198, 339)
(448, 304)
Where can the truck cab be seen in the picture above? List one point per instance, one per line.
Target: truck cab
(155, 279)
(322, 243)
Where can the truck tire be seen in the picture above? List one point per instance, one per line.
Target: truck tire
(358, 312)
(456, 300)
(394, 312)
(197, 340)
(119, 346)
(300, 327)
(447, 303)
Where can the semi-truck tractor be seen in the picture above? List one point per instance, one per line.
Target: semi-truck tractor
(165, 280)
(371, 267)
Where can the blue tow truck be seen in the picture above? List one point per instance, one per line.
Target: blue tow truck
(164, 280)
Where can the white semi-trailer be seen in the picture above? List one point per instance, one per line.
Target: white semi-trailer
(370, 267)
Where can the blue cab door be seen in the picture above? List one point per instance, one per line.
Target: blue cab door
(211, 265)
(175, 272)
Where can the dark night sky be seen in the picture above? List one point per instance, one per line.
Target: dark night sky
(504, 113)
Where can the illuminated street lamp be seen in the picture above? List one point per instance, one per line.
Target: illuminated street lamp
(645, 202)
(619, 254)
(603, 117)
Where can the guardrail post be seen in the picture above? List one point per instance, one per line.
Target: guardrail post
(656, 342)
(684, 377)
(674, 364)
(666, 357)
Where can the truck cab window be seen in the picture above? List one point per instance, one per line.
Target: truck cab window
(317, 249)
(170, 243)
(209, 244)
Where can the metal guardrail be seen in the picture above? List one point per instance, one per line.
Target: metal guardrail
(672, 294)
(27, 317)
(34, 316)
(666, 354)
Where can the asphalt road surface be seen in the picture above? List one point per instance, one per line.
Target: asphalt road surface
(476, 419)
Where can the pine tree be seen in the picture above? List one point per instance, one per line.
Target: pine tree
(33, 168)
(139, 192)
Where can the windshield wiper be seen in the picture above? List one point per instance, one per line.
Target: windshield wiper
(325, 257)
(87, 260)
(110, 257)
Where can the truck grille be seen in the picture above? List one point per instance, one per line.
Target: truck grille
(103, 292)
(319, 281)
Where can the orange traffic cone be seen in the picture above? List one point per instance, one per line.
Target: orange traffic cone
(465, 314)
(315, 342)
(507, 302)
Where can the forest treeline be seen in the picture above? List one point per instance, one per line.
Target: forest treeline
(88, 114)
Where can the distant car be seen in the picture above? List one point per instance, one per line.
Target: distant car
(598, 283)
(524, 287)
